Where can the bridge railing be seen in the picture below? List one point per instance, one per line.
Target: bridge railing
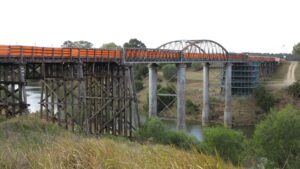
(30, 53)
(126, 55)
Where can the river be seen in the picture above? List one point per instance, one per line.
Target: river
(193, 128)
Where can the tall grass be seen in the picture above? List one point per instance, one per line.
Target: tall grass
(30, 143)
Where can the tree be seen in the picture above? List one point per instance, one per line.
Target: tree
(134, 43)
(139, 70)
(110, 45)
(296, 49)
(277, 138)
(77, 44)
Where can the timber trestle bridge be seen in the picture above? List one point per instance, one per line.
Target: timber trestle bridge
(93, 89)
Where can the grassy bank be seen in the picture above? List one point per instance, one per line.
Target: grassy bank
(27, 142)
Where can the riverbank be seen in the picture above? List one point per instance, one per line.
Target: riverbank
(27, 142)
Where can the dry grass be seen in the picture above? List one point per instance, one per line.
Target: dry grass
(29, 143)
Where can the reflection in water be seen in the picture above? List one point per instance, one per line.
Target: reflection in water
(33, 97)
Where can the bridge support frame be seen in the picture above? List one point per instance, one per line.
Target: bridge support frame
(13, 100)
(93, 97)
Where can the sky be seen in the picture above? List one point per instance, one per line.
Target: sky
(269, 26)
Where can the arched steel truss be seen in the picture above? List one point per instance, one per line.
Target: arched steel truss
(180, 51)
(204, 46)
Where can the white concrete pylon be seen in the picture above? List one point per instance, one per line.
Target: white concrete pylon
(205, 109)
(152, 89)
(181, 86)
(228, 95)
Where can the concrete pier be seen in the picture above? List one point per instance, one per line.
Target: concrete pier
(205, 110)
(228, 96)
(181, 85)
(152, 89)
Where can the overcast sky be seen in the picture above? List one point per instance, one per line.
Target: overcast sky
(239, 25)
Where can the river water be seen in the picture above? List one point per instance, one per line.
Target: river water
(33, 91)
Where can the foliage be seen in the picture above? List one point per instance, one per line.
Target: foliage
(77, 44)
(277, 138)
(67, 150)
(228, 143)
(134, 43)
(264, 99)
(154, 130)
(110, 45)
(2, 118)
(140, 71)
(139, 85)
(296, 49)
(294, 89)
(169, 71)
(196, 66)
(191, 108)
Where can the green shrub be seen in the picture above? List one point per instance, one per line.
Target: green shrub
(139, 85)
(140, 71)
(169, 72)
(278, 138)
(264, 99)
(154, 130)
(228, 143)
(197, 66)
(294, 89)
(191, 108)
(2, 117)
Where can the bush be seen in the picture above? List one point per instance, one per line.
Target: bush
(169, 72)
(277, 138)
(191, 108)
(140, 71)
(197, 66)
(154, 130)
(294, 89)
(264, 99)
(139, 85)
(228, 143)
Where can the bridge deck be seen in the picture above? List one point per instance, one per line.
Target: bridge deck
(126, 55)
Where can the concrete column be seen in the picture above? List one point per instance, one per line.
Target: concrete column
(228, 96)
(205, 110)
(181, 68)
(152, 89)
